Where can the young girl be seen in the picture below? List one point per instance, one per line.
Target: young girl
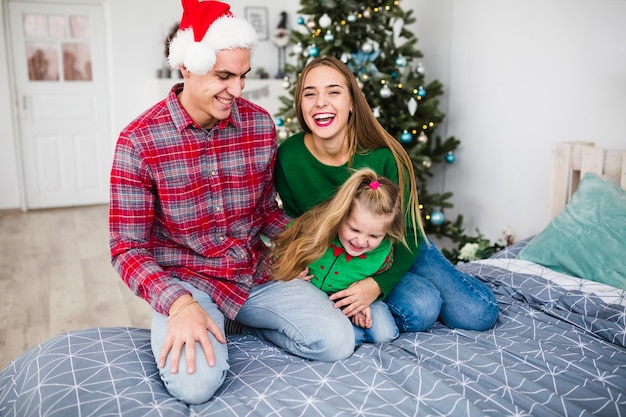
(344, 240)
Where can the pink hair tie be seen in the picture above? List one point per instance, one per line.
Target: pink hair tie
(374, 185)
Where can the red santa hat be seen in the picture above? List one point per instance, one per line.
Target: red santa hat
(206, 28)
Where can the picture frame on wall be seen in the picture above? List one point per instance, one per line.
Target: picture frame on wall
(258, 18)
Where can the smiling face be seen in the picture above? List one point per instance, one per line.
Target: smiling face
(326, 103)
(362, 231)
(209, 98)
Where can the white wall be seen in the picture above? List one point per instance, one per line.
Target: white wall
(518, 76)
(524, 75)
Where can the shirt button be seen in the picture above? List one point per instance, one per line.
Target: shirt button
(221, 238)
(217, 209)
(213, 173)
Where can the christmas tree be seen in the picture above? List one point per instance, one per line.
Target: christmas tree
(372, 38)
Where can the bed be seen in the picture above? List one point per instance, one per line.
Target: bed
(557, 349)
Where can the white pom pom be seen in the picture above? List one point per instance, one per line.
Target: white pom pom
(178, 47)
(199, 58)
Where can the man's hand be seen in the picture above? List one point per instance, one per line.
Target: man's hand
(185, 327)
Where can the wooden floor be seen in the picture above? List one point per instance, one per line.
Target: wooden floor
(56, 275)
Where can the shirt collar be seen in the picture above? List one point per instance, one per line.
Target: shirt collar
(338, 250)
(182, 120)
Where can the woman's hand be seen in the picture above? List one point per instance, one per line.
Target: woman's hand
(357, 296)
(186, 327)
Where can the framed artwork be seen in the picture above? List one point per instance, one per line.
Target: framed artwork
(257, 16)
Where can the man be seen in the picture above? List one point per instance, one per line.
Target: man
(191, 194)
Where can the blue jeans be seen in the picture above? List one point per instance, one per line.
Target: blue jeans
(384, 328)
(434, 289)
(294, 315)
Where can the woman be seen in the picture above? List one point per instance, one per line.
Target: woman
(340, 133)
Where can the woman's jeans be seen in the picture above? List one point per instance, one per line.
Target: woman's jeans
(434, 289)
(295, 315)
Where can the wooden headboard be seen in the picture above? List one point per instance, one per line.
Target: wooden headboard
(572, 160)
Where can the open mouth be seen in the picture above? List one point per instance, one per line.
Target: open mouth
(226, 102)
(324, 119)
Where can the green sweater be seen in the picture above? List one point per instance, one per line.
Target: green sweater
(336, 270)
(303, 182)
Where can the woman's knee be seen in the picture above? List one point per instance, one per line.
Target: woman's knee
(474, 314)
(414, 303)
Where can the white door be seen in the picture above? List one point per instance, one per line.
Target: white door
(61, 84)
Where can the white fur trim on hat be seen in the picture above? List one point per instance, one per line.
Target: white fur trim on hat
(231, 32)
(199, 57)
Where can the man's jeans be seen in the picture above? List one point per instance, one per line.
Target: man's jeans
(294, 315)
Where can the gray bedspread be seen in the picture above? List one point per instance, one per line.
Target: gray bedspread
(556, 350)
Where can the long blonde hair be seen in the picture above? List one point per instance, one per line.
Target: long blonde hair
(310, 235)
(365, 133)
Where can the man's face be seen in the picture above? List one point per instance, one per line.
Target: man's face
(208, 98)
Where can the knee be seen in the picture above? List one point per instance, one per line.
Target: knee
(476, 314)
(334, 345)
(415, 304)
(196, 388)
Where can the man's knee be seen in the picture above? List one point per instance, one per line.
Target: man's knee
(196, 388)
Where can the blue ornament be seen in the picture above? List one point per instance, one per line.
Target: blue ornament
(401, 61)
(406, 137)
(301, 20)
(329, 37)
(364, 62)
(450, 158)
(313, 51)
(394, 75)
(421, 91)
(437, 218)
(280, 121)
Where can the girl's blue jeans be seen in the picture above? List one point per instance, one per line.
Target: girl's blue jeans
(434, 289)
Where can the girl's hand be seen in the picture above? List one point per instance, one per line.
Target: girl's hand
(363, 318)
(305, 275)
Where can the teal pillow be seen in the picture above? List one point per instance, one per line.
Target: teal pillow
(588, 238)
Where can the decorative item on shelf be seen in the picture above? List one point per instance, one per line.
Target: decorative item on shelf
(165, 71)
(261, 73)
(281, 40)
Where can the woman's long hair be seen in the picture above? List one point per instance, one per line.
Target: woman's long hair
(365, 133)
(310, 235)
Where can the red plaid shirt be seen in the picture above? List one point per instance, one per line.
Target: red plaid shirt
(191, 203)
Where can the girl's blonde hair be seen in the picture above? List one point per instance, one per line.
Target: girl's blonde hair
(310, 235)
(365, 133)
